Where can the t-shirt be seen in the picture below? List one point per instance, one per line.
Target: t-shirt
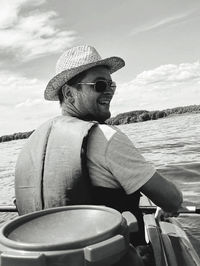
(114, 162)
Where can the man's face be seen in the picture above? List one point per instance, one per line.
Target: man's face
(90, 103)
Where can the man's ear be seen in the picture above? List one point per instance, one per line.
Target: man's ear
(67, 93)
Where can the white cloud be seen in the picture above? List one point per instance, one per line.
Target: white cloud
(15, 88)
(29, 103)
(164, 87)
(170, 73)
(22, 105)
(10, 10)
(163, 22)
(25, 118)
(23, 94)
(34, 34)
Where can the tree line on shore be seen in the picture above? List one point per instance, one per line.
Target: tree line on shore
(144, 115)
(15, 136)
(124, 118)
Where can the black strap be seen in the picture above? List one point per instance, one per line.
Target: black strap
(119, 200)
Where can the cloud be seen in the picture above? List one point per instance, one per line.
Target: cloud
(22, 105)
(32, 35)
(25, 118)
(29, 103)
(10, 10)
(25, 95)
(163, 22)
(164, 87)
(15, 88)
(170, 73)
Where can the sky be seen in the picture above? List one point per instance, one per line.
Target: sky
(159, 41)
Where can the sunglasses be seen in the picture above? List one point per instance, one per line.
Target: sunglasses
(101, 85)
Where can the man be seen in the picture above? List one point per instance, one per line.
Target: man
(69, 153)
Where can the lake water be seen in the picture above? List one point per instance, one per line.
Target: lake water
(172, 144)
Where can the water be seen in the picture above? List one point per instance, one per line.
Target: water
(171, 144)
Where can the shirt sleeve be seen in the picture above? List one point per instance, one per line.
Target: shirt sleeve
(126, 163)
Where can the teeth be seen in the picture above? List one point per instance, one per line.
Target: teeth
(104, 101)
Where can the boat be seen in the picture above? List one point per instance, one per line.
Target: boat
(170, 243)
(167, 240)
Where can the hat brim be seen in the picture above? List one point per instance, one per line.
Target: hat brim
(51, 92)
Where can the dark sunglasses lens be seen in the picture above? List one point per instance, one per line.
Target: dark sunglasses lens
(101, 86)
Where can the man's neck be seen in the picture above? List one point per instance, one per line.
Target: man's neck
(71, 110)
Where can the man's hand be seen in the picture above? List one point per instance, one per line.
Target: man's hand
(160, 214)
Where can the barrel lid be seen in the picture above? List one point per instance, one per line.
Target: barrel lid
(61, 228)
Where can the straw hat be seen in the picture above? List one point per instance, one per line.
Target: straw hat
(74, 61)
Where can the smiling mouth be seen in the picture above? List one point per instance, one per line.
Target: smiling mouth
(104, 101)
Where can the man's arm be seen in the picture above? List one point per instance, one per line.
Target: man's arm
(163, 193)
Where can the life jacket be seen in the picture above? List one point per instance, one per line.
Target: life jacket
(51, 168)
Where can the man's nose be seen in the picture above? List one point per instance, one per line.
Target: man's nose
(110, 90)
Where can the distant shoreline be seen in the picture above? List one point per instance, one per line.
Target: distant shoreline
(188, 113)
(16, 136)
(144, 115)
(125, 118)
